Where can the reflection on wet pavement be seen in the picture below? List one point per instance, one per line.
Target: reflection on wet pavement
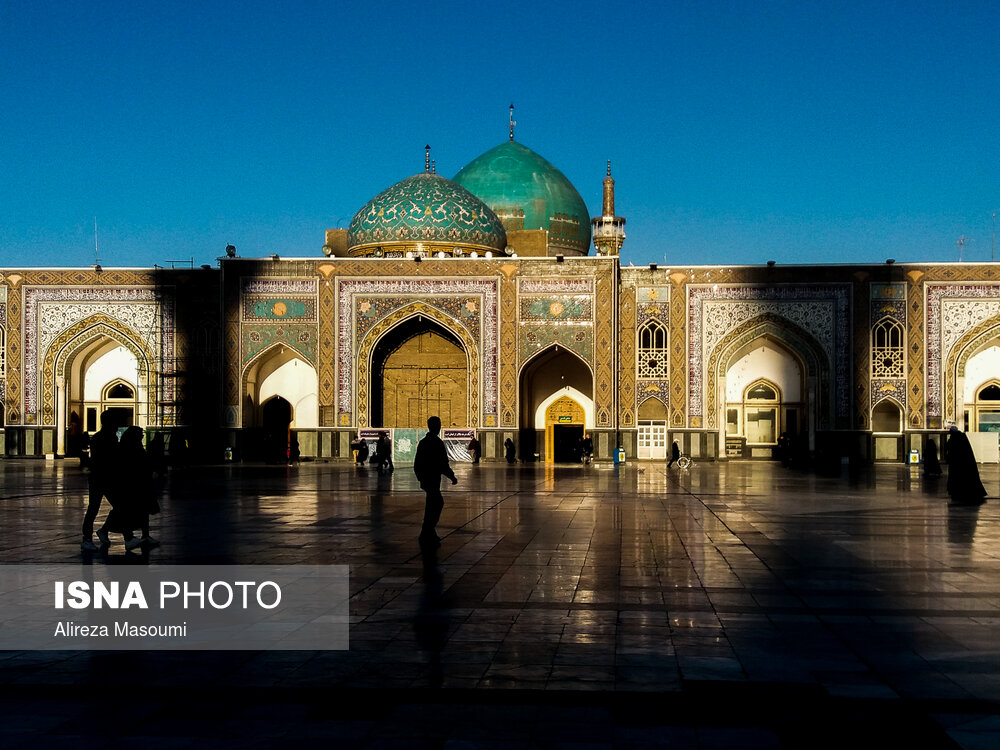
(736, 576)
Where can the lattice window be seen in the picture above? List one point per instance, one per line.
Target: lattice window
(888, 352)
(653, 350)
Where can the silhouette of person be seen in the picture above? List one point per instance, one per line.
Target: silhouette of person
(509, 451)
(675, 454)
(430, 464)
(588, 448)
(361, 446)
(130, 491)
(103, 464)
(475, 448)
(383, 452)
(136, 486)
(964, 484)
(932, 466)
(157, 455)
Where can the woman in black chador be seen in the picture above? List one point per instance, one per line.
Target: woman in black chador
(509, 450)
(964, 484)
(932, 467)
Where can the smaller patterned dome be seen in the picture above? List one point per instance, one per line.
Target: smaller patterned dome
(425, 209)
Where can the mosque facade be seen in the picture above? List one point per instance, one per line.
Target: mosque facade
(494, 301)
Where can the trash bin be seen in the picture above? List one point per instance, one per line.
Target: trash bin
(619, 456)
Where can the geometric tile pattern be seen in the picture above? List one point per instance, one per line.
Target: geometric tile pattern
(627, 400)
(822, 310)
(887, 304)
(255, 307)
(327, 347)
(509, 397)
(953, 309)
(49, 311)
(258, 339)
(367, 342)
(916, 372)
(679, 383)
(605, 337)
(451, 296)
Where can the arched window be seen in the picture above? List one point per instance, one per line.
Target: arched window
(761, 407)
(987, 408)
(119, 397)
(119, 390)
(887, 350)
(653, 350)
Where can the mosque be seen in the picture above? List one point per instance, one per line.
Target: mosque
(495, 301)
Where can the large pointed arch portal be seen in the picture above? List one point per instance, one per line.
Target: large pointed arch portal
(419, 369)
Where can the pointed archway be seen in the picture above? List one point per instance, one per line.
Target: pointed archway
(772, 349)
(419, 369)
(80, 371)
(276, 416)
(554, 376)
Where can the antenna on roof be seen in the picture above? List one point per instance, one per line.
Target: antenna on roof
(97, 258)
(512, 122)
(961, 242)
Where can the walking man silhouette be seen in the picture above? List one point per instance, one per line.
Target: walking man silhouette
(430, 464)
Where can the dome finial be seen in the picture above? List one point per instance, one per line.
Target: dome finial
(512, 122)
(433, 166)
(427, 158)
(609, 167)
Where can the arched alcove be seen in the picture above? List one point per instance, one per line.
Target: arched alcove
(281, 371)
(652, 423)
(419, 369)
(544, 378)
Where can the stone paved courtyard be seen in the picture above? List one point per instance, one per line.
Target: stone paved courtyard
(738, 604)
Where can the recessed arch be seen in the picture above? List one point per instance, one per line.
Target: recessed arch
(887, 416)
(542, 378)
(652, 408)
(419, 369)
(979, 338)
(419, 311)
(281, 371)
(983, 408)
(71, 353)
(817, 396)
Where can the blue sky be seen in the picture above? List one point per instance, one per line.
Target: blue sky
(803, 132)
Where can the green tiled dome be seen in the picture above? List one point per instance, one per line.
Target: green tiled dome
(527, 192)
(425, 208)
